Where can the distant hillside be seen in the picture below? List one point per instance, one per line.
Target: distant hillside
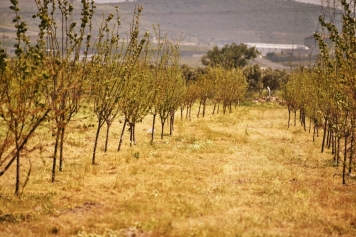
(209, 22)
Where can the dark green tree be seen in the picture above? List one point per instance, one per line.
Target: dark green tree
(189, 73)
(253, 74)
(274, 78)
(230, 56)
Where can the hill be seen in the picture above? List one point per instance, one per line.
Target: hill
(198, 24)
(209, 22)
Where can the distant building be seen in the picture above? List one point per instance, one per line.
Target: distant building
(291, 49)
(300, 50)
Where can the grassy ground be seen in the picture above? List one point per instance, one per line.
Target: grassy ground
(239, 174)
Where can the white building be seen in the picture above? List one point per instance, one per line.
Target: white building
(292, 49)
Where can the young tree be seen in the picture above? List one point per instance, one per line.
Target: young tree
(291, 95)
(67, 72)
(136, 99)
(205, 89)
(171, 87)
(234, 85)
(190, 96)
(167, 80)
(23, 98)
(112, 67)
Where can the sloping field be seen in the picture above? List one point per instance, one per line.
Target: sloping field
(239, 174)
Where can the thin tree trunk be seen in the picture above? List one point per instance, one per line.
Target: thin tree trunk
(324, 136)
(199, 109)
(331, 139)
(162, 127)
(153, 128)
(134, 133)
(17, 185)
(131, 134)
(338, 151)
(214, 108)
(328, 138)
(108, 124)
(171, 123)
(295, 118)
(28, 175)
(61, 145)
(55, 154)
(173, 119)
(61, 126)
(333, 144)
(100, 123)
(190, 112)
(314, 131)
(121, 136)
(304, 123)
(301, 116)
(204, 108)
(351, 149)
(345, 159)
(288, 116)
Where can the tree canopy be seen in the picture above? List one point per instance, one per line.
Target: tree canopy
(230, 56)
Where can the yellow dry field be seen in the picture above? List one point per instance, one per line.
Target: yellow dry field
(238, 174)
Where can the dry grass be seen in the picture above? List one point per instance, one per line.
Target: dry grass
(239, 174)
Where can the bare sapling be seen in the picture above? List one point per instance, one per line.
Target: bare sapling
(68, 70)
(136, 99)
(23, 98)
(112, 67)
(168, 80)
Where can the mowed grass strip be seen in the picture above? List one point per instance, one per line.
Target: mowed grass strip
(238, 174)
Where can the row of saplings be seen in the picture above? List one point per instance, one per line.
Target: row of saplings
(161, 93)
(165, 94)
(52, 77)
(130, 78)
(327, 93)
(322, 110)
